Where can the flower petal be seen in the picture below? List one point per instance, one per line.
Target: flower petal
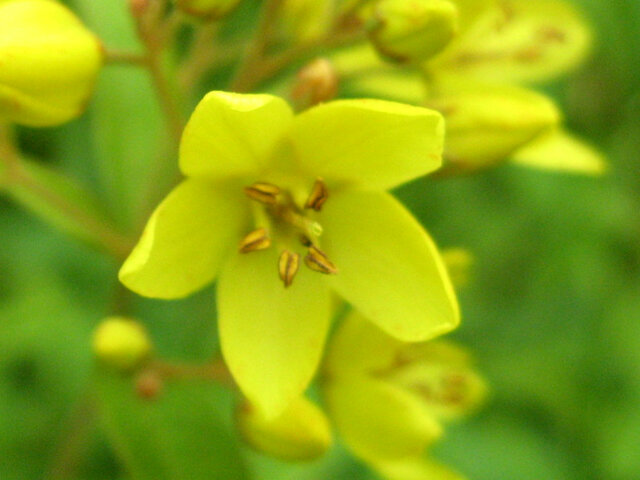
(379, 421)
(521, 41)
(185, 240)
(561, 151)
(359, 347)
(272, 337)
(231, 134)
(389, 268)
(371, 143)
(415, 469)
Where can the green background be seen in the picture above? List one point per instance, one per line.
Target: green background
(552, 313)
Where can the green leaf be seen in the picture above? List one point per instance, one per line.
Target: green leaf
(177, 436)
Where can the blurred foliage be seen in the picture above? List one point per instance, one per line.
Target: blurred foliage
(552, 313)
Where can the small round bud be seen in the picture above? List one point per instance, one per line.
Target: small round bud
(49, 61)
(317, 82)
(149, 385)
(121, 343)
(300, 433)
(138, 7)
(212, 9)
(412, 30)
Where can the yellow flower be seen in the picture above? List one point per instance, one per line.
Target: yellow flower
(283, 210)
(388, 399)
(48, 63)
(476, 82)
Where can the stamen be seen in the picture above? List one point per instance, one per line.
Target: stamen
(288, 266)
(263, 192)
(319, 194)
(317, 261)
(256, 240)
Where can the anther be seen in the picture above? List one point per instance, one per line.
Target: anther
(319, 194)
(256, 240)
(317, 261)
(288, 266)
(263, 192)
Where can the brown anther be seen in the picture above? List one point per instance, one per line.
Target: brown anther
(256, 240)
(263, 192)
(319, 194)
(317, 261)
(304, 240)
(288, 266)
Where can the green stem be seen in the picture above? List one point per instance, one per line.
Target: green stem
(153, 34)
(16, 176)
(117, 57)
(258, 46)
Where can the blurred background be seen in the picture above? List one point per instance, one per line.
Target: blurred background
(552, 313)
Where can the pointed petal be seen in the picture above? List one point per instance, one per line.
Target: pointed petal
(561, 151)
(415, 469)
(389, 268)
(231, 134)
(185, 241)
(371, 143)
(272, 337)
(379, 421)
(359, 347)
(521, 41)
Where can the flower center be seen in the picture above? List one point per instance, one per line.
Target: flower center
(277, 210)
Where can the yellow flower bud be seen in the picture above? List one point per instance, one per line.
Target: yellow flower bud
(208, 8)
(487, 124)
(412, 30)
(303, 20)
(48, 63)
(317, 82)
(300, 433)
(121, 343)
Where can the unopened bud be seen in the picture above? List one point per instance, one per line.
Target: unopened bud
(301, 433)
(486, 125)
(49, 63)
(121, 343)
(317, 82)
(149, 385)
(212, 9)
(138, 7)
(412, 30)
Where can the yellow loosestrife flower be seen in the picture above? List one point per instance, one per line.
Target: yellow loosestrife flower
(283, 210)
(388, 399)
(476, 83)
(48, 63)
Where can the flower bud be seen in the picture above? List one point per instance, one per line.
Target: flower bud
(412, 30)
(459, 263)
(486, 125)
(121, 343)
(304, 20)
(207, 8)
(317, 82)
(300, 433)
(49, 63)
